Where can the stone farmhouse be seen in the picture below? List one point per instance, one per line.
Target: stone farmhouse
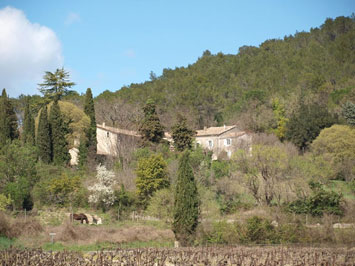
(222, 141)
(111, 140)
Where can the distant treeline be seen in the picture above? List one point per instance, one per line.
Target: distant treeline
(308, 67)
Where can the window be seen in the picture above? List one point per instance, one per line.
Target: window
(227, 142)
(210, 144)
(108, 134)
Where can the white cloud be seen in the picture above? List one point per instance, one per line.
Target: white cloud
(72, 18)
(27, 50)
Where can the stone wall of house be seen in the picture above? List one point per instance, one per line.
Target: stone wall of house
(106, 142)
(227, 142)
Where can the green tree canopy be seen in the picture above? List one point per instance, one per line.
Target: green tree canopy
(28, 134)
(8, 119)
(55, 85)
(88, 145)
(305, 124)
(239, 88)
(151, 128)
(182, 135)
(152, 175)
(186, 204)
(44, 137)
(74, 118)
(349, 113)
(337, 145)
(17, 171)
(60, 148)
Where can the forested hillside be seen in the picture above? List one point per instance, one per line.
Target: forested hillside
(252, 86)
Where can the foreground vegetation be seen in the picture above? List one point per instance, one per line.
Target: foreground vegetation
(184, 256)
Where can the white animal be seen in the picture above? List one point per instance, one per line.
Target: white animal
(97, 219)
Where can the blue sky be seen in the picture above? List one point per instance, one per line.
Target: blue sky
(111, 43)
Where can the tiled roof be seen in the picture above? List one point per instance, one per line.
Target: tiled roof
(234, 134)
(119, 131)
(214, 131)
(211, 131)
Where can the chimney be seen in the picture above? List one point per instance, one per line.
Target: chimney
(224, 126)
(103, 124)
(204, 128)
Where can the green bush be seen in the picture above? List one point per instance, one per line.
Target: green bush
(62, 189)
(223, 233)
(320, 202)
(220, 168)
(125, 201)
(255, 230)
(161, 205)
(5, 202)
(259, 231)
(231, 203)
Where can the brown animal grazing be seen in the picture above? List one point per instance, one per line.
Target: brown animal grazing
(81, 216)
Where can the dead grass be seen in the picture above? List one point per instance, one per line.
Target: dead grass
(19, 227)
(26, 228)
(84, 234)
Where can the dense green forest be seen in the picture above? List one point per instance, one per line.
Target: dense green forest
(315, 66)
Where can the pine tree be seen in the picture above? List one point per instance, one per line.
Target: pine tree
(55, 85)
(150, 128)
(186, 206)
(44, 137)
(59, 144)
(182, 135)
(8, 119)
(28, 134)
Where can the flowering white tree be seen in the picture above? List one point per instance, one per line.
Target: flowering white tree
(102, 193)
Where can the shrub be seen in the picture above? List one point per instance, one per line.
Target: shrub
(320, 202)
(125, 201)
(161, 205)
(223, 233)
(5, 226)
(258, 230)
(60, 189)
(220, 168)
(63, 188)
(5, 202)
(255, 230)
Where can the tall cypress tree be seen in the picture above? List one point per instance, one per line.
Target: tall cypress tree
(44, 137)
(3, 118)
(8, 119)
(88, 149)
(151, 128)
(89, 110)
(186, 206)
(59, 144)
(28, 134)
